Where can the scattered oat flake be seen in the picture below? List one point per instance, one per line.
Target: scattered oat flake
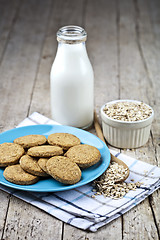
(108, 186)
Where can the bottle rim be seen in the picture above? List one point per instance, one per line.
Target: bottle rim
(71, 34)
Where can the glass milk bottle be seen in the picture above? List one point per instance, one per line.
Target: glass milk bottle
(72, 80)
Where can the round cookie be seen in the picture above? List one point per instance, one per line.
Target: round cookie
(17, 175)
(63, 170)
(45, 151)
(10, 154)
(42, 163)
(64, 140)
(84, 155)
(30, 140)
(30, 165)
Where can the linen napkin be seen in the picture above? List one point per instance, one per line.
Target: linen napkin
(77, 206)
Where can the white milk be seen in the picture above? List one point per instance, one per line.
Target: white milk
(72, 84)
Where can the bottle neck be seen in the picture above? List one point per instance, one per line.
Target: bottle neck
(78, 48)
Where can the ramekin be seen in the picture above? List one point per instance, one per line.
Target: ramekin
(123, 134)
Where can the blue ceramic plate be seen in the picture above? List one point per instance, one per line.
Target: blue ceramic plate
(51, 185)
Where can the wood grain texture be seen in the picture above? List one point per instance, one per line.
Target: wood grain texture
(111, 231)
(8, 15)
(101, 25)
(149, 39)
(26, 222)
(154, 7)
(20, 61)
(4, 199)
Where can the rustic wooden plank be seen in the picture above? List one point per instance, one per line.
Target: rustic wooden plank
(26, 222)
(150, 37)
(101, 26)
(149, 18)
(61, 15)
(134, 72)
(139, 222)
(4, 199)
(155, 18)
(155, 206)
(20, 62)
(111, 231)
(8, 15)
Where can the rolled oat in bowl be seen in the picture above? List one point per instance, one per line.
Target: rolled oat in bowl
(128, 111)
(126, 123)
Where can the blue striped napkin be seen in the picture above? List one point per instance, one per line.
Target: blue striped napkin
(77, 207)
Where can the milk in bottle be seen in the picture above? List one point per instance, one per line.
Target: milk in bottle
(72, 80)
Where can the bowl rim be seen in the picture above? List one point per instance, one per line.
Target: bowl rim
(104, 115)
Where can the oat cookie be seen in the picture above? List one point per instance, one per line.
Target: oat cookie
(31, 140)
(64, 140)
(42, 163)
(63, 170)
(30, 165)
(84, 155)
(10, 154)
(45, 151)
(17, 175)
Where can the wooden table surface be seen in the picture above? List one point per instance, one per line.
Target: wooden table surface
(124, 48)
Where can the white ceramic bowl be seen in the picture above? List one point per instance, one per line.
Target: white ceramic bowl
(125, 134)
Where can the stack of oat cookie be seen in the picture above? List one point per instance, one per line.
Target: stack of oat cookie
(33, 157)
